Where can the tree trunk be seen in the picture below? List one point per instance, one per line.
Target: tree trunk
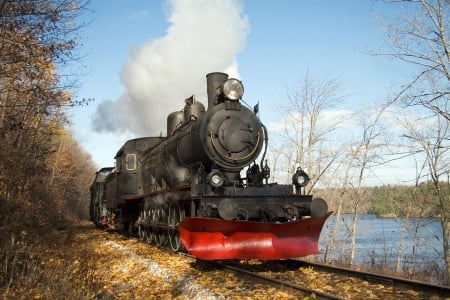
(353, 234)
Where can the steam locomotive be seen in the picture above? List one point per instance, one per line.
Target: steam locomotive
(186, 190)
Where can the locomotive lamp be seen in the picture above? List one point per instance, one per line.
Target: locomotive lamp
(233, 89)
(216, 179)
(300, 179)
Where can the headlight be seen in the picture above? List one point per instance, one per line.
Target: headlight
(216, 179)
(233, 89)
(300, 178)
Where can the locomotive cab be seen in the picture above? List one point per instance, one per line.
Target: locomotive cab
(125, 181)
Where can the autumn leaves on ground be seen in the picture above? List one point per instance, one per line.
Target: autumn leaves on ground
(83, 262)
(78, 263)
(73, 263)
(49, 267)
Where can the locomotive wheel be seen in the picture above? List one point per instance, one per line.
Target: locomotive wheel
(141, 229)
(160, 233)
(150, 229)
(176, 215)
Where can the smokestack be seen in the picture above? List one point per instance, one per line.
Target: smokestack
(213, 81)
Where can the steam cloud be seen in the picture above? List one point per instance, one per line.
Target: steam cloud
(204, 36)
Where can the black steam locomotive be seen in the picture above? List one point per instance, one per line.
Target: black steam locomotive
(186, 190)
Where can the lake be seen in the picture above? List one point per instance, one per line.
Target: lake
(378, 241)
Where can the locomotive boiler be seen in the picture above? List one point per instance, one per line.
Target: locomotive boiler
(201, 187)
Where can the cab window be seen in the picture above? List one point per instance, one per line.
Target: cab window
(131, 162)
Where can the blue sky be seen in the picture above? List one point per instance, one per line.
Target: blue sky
(282, 40)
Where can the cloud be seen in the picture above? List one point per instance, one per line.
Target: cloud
(344, 119)
(203, 36)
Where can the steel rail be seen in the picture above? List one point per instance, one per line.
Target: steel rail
(393, 281)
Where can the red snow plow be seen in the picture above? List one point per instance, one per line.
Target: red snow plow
(212, 239)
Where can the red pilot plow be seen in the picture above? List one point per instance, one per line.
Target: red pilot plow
(211, 239)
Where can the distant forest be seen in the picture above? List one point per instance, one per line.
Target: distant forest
(389, 200)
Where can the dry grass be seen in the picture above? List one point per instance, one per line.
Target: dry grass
(60, 264)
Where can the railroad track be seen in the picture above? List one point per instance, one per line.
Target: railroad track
(257, 277)
(392, 281)
(299, 290)
(330, 282)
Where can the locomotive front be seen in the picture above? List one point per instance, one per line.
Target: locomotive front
(243, 217)
(232, 136)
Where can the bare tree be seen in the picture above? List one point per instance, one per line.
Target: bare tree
(364, 154)
(418, 35)
(361, 155)
(309, 135)
(430, 140)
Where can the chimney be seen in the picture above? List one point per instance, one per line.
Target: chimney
(213, 81)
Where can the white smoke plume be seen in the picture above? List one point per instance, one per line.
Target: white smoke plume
(204, 36)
